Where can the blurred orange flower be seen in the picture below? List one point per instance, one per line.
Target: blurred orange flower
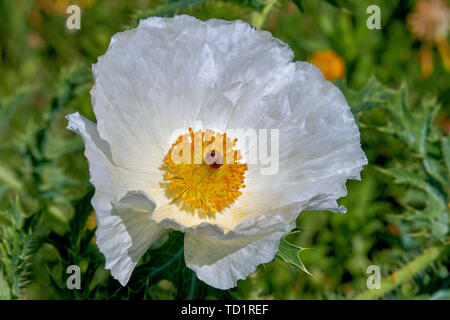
(429, 22)
(331, 64)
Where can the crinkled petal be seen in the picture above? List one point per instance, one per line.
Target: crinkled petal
(169, 73)
(222, 262)
(126, 233)
(224, 272)
(124, 228)
(319, 143)
(111, 182)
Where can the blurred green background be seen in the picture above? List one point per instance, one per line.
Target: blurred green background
(396, 82)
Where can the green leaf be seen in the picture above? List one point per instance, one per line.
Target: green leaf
(8, 178)
(15, 251)
(404, 176)
(424, 170)
(446, 153)
(410, 125)
(373, 94)
(437, 171)
(290, 253)
(424, 260)
(432, 219)
(16, 211)
(4, 288)
(7, 108)
(56, 148)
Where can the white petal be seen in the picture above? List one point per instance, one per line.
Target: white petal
(124, 228)
(126, 233)
(222, 262)
(238, 264)
(319, 143)
(98, 153)
(326, 151)
(169, 73)
(110, 181)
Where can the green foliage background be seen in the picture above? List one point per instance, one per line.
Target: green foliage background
(397, 215)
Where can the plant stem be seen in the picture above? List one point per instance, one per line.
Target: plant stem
(259, 17)
(403, 275)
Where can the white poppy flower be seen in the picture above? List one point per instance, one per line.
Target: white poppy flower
(205, 78)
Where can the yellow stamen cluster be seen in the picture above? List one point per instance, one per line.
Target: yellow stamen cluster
(203, 170)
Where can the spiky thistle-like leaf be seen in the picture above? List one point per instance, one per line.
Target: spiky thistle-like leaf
(15, 251)
(290, 253)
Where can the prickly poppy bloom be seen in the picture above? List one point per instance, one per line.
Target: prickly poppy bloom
(165, 94)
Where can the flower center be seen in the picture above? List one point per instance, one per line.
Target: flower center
(203, 170)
